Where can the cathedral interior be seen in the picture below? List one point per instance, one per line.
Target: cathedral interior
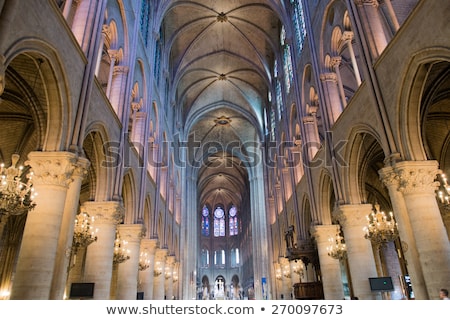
(226, 150)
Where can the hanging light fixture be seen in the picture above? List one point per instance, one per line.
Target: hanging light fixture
(443, 192)
(120, 250)
(337, 248)
(144, 261)
(16, 192)
(84, 232)
(381, 227)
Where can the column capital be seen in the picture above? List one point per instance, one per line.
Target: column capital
(160, 255)
(347, 36)
(373, 3)
(81, 168)
(328, 76)
(52, 168)
(149, 245)
(170, 260)
(309, 119)
(131, 232)
(322, 233)
(389, 177)
(352, 214)
(121, 70)
(417, 176)
(335, 61)
(105, 211)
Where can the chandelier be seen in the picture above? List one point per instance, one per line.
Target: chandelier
(120, 251)
(84, 233)
(443, 192)
(337, 249)
(381, 227)
(16, 192)
(144, 261)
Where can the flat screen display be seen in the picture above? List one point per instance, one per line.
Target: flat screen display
(381, 284)
(82, 290)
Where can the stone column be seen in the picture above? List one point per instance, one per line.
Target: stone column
(113, 54)
(332, 99)
(417, 183)
(127, 277)
(373, 25)
(146, 276)
(36, 262)
(392, 15)
(66, 232)
(333, 288)
(347, 37)
(118, 89)
(99, 256)
(158, 282)
(261, 252)
(286, 283)
(392, 182)
(361, 261)
(335, 63)
(312, 136)
(170, 261)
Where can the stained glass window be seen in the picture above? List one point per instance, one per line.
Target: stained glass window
(205, 221)
(233, 221)
(219, 222)
(298, 18)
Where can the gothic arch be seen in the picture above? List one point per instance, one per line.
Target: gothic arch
(103, 157)
(411, 107)
(43, 88)
(363, 152)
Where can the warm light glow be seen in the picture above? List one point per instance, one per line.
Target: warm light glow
(443, 191)
(381, 227)
(144, 261)
(120, 250)
(16, 192)
(337, 248)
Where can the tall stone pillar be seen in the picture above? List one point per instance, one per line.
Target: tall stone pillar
(347, 37)
(373, 25)
(146, 276)
(286, 283)
(335, 64)
(392, 182)
(260, 241)
(361, 261)
(158, 282)
(417, 183)
(332, 97)
(66, 232)
(127, 277)
(170, 262)
(99, 256)
(333, 288)
(36, 262)
(312, 135)
(118, 89)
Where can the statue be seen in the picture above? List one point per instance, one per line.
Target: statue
(289, 237)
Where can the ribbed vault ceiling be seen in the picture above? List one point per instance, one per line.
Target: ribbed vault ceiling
(221, 56)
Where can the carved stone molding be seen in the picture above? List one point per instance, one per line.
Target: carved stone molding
(417, 176)
(105, 212)
(52, 168)
(329, 76)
